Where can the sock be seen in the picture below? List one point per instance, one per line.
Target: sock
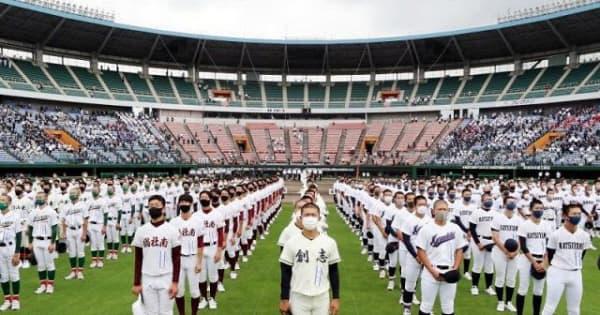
(109, 246)
(466, 264)
(537, 304)
(402, 283)
(195, 302)
(422, 313)
(51, 274)
(475, 279)
(100, 254)
(381, 263)
(180, 302)
(203, 290)
(221, 273)
(116, 247)
(509, 294)
(370, 249)
(499, 293)
(6, 288)
(123, 240)
(81, 263)
(73, 262)
(488, 279)
(94, 253)
(16, 287)
(213, 289)
(520, 304)
(42, 275)
(391, 272)
(407, 297)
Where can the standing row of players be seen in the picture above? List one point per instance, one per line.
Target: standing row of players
(508, 227)
(40, 217)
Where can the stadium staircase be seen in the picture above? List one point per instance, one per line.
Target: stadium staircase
(360, 147)
(323, 145)
(288, 146)
(236, 149)
(341, 146)
(544, 141)
(251, 144)
(193, 151)
(394, 147)
(305, 146)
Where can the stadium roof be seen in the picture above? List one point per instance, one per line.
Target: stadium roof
(26, 26)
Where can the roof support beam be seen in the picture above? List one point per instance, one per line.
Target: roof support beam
(325, 67)
(53, 32)
(196, 51)
(558, 35)
(242, 54)
(156, 39)
(370, 58)
(285, 66)
(414, 52)
(507, 43)
(105, 41)
(3, 13)
(458, 49)
(200, 54)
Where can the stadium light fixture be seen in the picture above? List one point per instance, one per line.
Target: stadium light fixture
(73, 8)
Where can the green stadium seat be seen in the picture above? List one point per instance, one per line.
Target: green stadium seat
(316, 94)
(64, 79)
(337, 94)
(495, 87)
(116, 86)
(186, 91)
(407, 88)
(359, 93)
(447, 91)
(274, 94)
(592, 85)
(14, 79)
(546, 82)
(520, 85)
(140, 88)
(471, 89)
(90, 82)
(295, 95)
(37, 76)
(163, 89)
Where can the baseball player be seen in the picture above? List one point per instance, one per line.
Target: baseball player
(43, 232)
(504, 227)
(113, 217)
(462, 214)
(480, 224)
(393, 246)
(74, 223)
(378, 218)
(533, 235)
(564, 254)
(97, 227)
(214, 242)
(396, 226)
(309, 269)
(192, 244)
(411, 270)
(22, 204)
(10, 243)
(126, 222)
(157, 261)
(440, 249)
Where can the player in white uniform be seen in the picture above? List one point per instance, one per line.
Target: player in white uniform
(22, 205)
(157, 261)
(480, 227)
(10, 243)
(411, 270)
(309, 269)
(113, 215)
(463, 210)
(504, 227)
(396, 226)
(393, 242)
(439, 248)
(126, 222)
(533, 235)
(565, 252)
(378, 226)
(74, 224)
(97, 227)
(214, 242)
(192, 244)
(43, 232)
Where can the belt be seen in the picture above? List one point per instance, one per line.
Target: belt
(41, 238)
(74, 228)
(486, 237)
(537, 256)
(190, 255)
(94, 222)
(2, 244)
(210, 244)
(442, 267)
(111, 219)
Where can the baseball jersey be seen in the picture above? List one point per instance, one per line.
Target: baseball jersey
(22, 207)
(411, 227)
(289, 232)
(568, 248)
(440, 242)
(42, 220)
(211, 222)
(128, 205)
(483, 221)
(157, 243)
(96, 210)
(113, 206)
(74, 214)
(505, 226)
(310, 260)
(536, 235)
(10, 225)
(464, 212)
(189, 230)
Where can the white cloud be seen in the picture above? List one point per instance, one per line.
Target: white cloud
(315, 19)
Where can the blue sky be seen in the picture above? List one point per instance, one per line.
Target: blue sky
(310, 19)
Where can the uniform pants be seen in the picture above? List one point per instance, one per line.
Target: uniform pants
(506, 269)
(482, 259)
(559, 280)
(188, 272)
(524, 266)
(155, 294)
(96, 237)
(112, 235)
(429, 291)
(8, 272)
(75, 247)
(411, 273)
(301, 304)
(209, 267)
(45, 259)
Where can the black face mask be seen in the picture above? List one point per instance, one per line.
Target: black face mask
(155, 213)
(185, 208)
(410, 204)
(46, 190)
(215, 204)
(18, 192)
(224, 198)
(204, 203)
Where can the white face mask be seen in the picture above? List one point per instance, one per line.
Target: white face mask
(310, 223)
(387, 199)
(422, 210)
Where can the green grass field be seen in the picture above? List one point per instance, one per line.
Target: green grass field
(256, 290)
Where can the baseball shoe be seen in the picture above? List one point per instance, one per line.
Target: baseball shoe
(406, 311)
(474, 291)
(49, 289)
(244, 259)
(129, 250)
(71, 276)
(510, 307)
(391, 285)
(415, 300)
(370, 258)
(80, 276)
(249, 253)
(490, 291)
(233, 275)
(500, 307)
(94, 264)
(468, 276)
(381, 274)
(124, 250)
(41, 289)
(593, 247)
(262, 237)
(267, 232)
(100, 264)
(237, 266)
(26, 264)
(15, 305)
(115, 256)
(363, 251)
(220, 288)
(5, 306)
(212, 304)
(375, 267)
(202, 304)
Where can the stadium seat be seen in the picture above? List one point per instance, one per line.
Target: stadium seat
(64, 79)
(164, 91)
(37, 77)
(140, 88)
(90, 82)
(447, 91)
(471, 89)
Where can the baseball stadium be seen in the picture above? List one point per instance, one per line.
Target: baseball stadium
(153, 171)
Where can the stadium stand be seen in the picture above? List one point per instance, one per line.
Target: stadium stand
(36, 76)
(64, 79)
(471, 89)
(90, 82)
(447, 91)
